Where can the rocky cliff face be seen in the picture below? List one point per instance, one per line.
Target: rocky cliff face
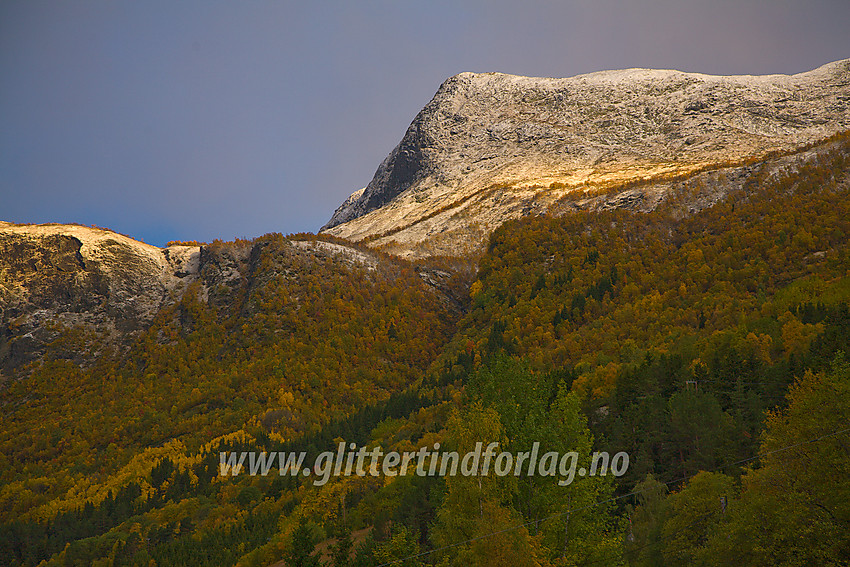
(57, 277)
(489, 147)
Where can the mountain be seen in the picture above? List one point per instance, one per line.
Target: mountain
(490, 147)
(686, 342)
(693, 314)
(54, 277)
(57, 279)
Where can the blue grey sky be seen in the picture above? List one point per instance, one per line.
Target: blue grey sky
(194, 120)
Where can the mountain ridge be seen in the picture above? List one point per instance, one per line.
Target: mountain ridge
(56, 278)
(533, 141)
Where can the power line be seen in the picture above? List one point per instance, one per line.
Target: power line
(614, 499)
(650, 544)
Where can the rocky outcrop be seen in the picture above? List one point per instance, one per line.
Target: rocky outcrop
(489, 147)
(58, 277)
(346, 211)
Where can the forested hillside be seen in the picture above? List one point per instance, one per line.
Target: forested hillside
(710, 348)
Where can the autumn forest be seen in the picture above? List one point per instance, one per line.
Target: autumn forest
(713, 348)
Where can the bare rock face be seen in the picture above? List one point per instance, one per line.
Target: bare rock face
(490, 147)
(57, 277)
(346, 211)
